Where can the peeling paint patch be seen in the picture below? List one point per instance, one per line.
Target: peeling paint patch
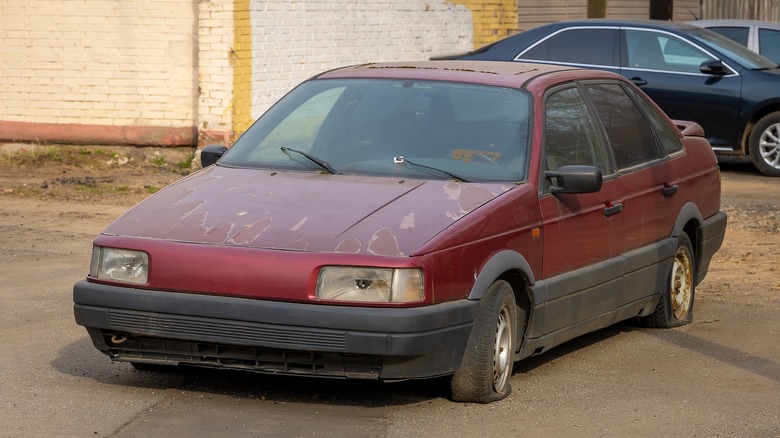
(351, 246)
(300, 245)
(407, 222)
(300, 223)
(250, 232)
(383, 242)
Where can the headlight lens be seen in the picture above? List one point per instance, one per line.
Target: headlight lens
(119, 265)
(376, 285)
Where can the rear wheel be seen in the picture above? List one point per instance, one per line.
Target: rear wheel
(675, 307)
(764, 144)
(486, 368)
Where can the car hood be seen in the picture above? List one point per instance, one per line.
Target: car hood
(303, 211)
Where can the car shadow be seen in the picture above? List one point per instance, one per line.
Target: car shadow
(82, 360)
(738, 166)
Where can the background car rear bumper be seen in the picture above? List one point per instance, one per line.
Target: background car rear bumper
(169, 327)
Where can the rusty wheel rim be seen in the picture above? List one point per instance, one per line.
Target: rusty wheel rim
(681, 288)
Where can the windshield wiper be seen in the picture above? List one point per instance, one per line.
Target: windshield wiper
(322, 163)
(402, 160)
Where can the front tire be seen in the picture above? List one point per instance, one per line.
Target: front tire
(675, 307)
(486, 367)
(764, 144)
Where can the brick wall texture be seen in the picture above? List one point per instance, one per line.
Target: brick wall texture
(102, 62)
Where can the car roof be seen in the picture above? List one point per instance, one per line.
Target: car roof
(710, 23)
(497, 73)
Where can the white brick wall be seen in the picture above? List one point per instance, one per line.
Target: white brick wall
(105, 62)
(215, 74)
(295, 39)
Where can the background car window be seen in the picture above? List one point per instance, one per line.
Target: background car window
(628, 132)
(581, 46)
(657, 51)
(571, 135)
(666, 133)
(769, 44)
(738, 34)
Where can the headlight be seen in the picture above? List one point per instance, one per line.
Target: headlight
(119, 265)
(377, 285)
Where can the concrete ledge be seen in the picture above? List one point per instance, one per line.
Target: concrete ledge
(97, 134)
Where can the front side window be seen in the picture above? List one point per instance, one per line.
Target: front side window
(385, 127)
(577, 46)
(628, 132)
(659, 51)
(571, 135)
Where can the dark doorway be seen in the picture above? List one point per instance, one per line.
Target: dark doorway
(661, 9)
(597, 8)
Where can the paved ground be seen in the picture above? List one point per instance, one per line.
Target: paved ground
(718, 377)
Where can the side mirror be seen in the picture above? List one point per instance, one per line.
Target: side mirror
(210, 154)
(575, 179)
(713, 67)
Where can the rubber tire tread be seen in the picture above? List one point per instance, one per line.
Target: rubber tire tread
(755, 138)
(663, 316)
(473, 381)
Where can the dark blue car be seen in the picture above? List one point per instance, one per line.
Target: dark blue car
(692, 73)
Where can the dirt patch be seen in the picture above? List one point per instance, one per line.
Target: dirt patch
(90, 174)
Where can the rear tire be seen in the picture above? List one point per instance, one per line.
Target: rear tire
(764, 144)
(675, 307)
(486, 367)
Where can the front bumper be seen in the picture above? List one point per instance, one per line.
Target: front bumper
(140, 325)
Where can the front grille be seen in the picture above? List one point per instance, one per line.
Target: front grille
(226, 331)
(266, 360)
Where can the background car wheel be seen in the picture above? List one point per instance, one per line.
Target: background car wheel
(765, 144)
(486, 368)
(676, 305)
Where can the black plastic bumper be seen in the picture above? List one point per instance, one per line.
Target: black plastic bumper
(713, 231)
(269, 336)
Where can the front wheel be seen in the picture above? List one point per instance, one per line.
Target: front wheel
(675, 307)
(486, 367)
(764, 144)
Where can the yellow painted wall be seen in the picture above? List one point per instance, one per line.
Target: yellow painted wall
(493, 19)
(242, 67)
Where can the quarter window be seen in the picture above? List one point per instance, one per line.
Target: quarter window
(629, 134)
(738, 34)
(769, 44)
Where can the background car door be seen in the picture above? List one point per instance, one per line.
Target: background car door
(579, 230)
(667, 68)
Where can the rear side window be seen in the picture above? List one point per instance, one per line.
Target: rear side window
(629, 134)
(666, 133)
(769, 44)
(738, 34)
(579, 46)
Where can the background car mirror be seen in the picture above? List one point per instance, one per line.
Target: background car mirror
(575, 179)
(712, 67)
(210, 154)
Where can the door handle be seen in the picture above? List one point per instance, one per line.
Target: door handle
(612, 209)
(639, 81)
(670, 190)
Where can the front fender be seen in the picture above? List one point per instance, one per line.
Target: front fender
(503, 261)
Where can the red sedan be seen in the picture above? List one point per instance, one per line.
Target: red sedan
(414, 220)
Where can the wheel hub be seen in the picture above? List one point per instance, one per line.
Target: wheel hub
(769, 146)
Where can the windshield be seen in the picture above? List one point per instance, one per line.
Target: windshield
(403, 128)
(739, 53)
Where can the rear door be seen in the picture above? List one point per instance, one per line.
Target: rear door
(667, 68)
